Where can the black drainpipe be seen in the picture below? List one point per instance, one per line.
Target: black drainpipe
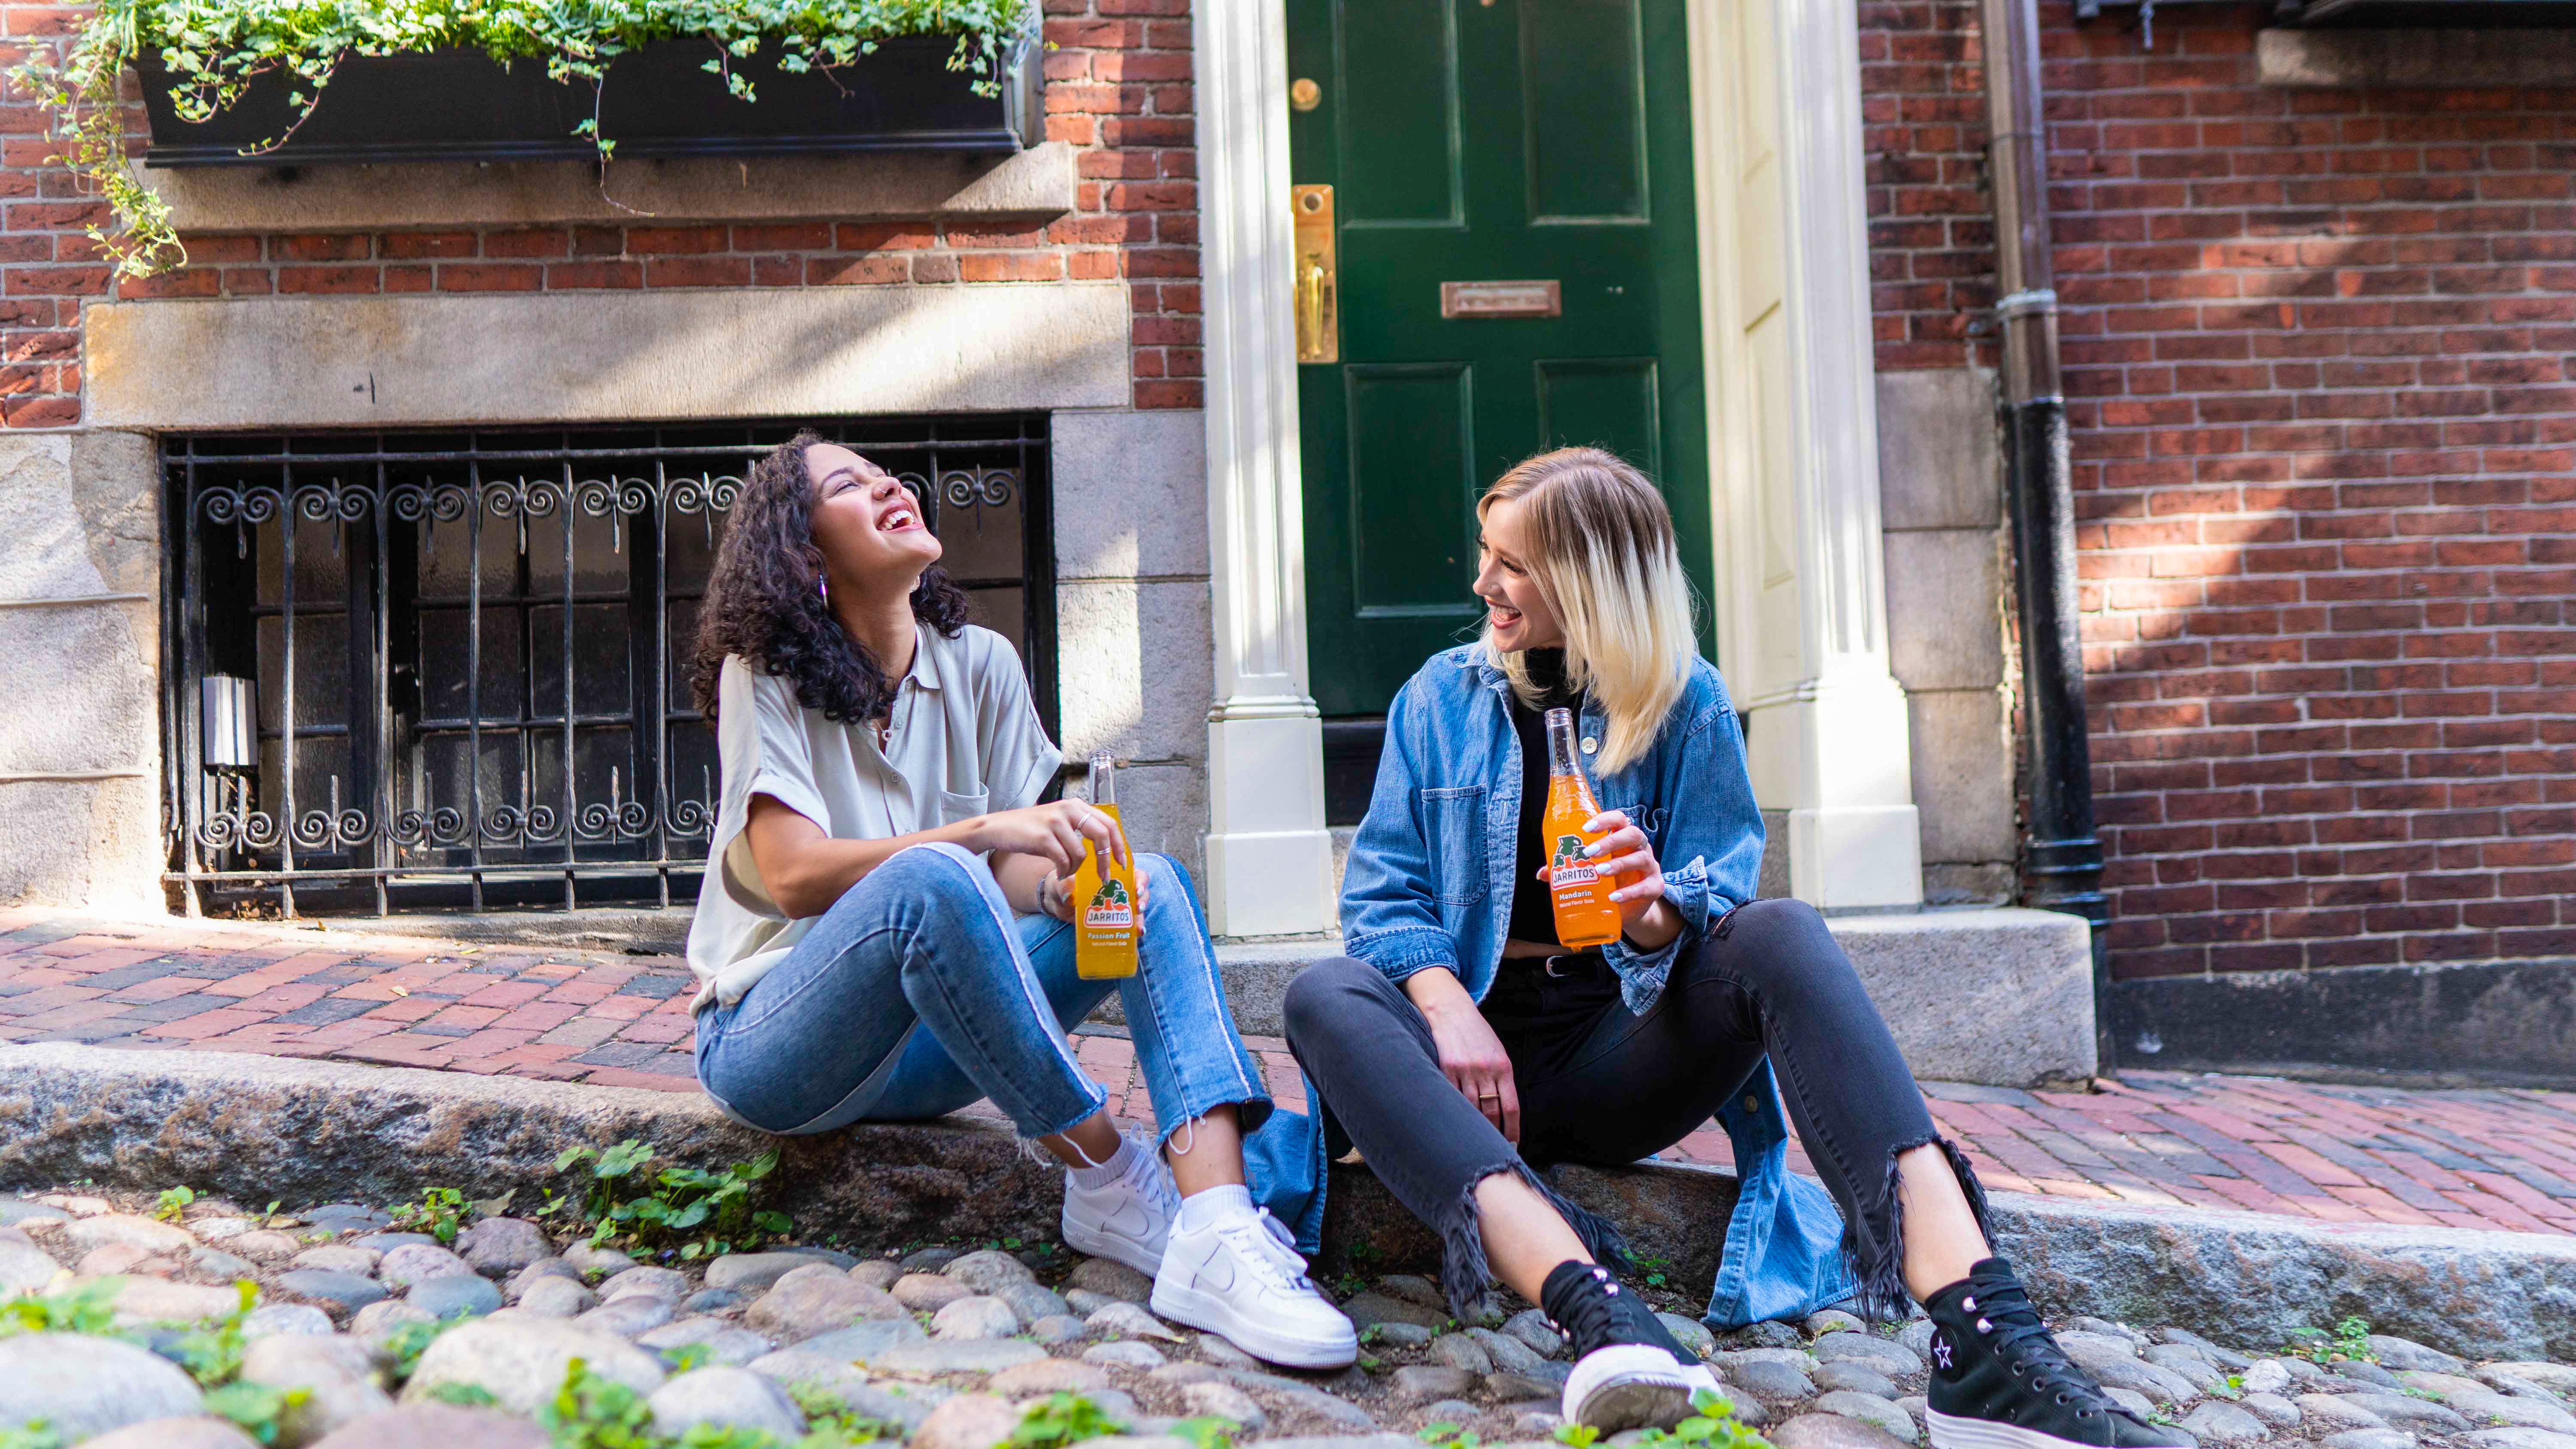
(2062, 867)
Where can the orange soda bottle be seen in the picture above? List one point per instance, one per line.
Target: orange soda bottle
(1104, 893)
(1579, 889)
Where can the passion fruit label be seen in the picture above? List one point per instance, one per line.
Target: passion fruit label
(1570, 868)
(1110, 909)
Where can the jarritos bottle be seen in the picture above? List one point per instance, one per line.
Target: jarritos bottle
(1104, 893)
(1580, 890)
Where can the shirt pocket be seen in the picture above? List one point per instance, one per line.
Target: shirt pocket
(951, 807)
(1453, 835)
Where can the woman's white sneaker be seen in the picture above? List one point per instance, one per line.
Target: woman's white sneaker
(1126, 1214)
(1236, 1272)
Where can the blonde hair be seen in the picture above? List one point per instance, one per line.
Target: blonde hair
(1603, 553)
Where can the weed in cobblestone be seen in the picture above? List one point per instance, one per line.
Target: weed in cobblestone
(686, 1211)
(1577, 1436)
(1445, 1435)
(441, 1213)
(464, 1396)
(212, 1352)
(1204, 1432)
(81, 1310)
(830, 1423)
(1713, 1426)
(594, 1412)
(33, 1434)
(2350, 1342)
(173, 1203)
(1060, 1419)
(406, 1342)
(256, 1409)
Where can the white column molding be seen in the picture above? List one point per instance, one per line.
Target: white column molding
(1785, 268)
(1269, 855)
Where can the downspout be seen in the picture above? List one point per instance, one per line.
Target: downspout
(2062, 864)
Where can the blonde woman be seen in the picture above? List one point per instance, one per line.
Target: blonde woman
(1460, 1042)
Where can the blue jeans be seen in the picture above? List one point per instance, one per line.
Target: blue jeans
(918, 993)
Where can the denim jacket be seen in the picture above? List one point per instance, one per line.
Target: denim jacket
(1430, 884)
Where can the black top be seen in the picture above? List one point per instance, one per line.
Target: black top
(1533, 914)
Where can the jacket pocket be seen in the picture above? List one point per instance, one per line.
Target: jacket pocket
(1453, 830)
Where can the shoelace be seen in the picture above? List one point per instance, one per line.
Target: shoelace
(1273, 1250)
(2004, 1313)
(1147, 1175)
(1592, 1319)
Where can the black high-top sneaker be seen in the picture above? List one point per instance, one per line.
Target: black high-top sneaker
(1628, 1372)
(1999, 1381)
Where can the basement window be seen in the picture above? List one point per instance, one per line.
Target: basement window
(450, 671)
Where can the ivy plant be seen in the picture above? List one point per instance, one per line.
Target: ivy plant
(215, 50)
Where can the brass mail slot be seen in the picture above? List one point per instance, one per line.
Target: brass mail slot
(1501, 299)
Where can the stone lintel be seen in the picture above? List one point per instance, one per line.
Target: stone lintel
(871, 186)
(2431, 59)
(640, 356)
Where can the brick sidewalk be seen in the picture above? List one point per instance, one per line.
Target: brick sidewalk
(2474, 1159)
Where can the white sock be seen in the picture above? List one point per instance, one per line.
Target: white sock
(1092, 1179)
(1202, 1208)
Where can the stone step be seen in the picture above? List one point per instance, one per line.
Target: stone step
(257, 1128)
(2001, 997)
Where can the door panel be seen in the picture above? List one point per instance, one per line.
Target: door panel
(1397, 84)
(1609, 403)
(1579, 58)
(1486, 140)
(1412, 442)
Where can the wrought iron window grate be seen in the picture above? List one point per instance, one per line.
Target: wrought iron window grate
(426, 671)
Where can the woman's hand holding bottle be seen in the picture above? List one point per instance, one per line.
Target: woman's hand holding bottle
(1061, 833)
(1628, 857)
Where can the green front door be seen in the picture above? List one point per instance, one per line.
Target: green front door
(1482, 141)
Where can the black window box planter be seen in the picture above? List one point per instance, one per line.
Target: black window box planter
(461, 105)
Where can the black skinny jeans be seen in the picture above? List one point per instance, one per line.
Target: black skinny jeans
(1766, 980)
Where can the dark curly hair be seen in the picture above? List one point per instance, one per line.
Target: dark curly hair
(764, 600)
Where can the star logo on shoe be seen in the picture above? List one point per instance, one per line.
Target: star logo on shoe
(1941, 1351)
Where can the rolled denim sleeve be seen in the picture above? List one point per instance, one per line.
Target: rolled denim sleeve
(1389, 918)
(1714, 826)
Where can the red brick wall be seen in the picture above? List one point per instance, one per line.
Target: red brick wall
(2318, 349)
(1118, 89)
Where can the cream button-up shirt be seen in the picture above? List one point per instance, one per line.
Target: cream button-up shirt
(965, 741)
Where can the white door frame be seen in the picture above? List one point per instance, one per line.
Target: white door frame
(1828, 732)
(1269, 855)
(1797, 514)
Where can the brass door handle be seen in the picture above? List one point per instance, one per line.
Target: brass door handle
(1318, 294)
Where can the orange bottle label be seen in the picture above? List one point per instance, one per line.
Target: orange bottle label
(1105, 921)
(1578, 888)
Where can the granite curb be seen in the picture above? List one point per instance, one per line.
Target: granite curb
(266, 1127)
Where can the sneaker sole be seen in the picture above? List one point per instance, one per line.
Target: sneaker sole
(1108, 1245)
(1632, 1386)
(1950, 1431)
(1215, 1315)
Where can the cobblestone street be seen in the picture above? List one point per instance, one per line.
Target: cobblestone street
(2472, 1158)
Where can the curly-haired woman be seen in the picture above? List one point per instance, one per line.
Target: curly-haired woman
(1465, 1041)
(882, 932)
